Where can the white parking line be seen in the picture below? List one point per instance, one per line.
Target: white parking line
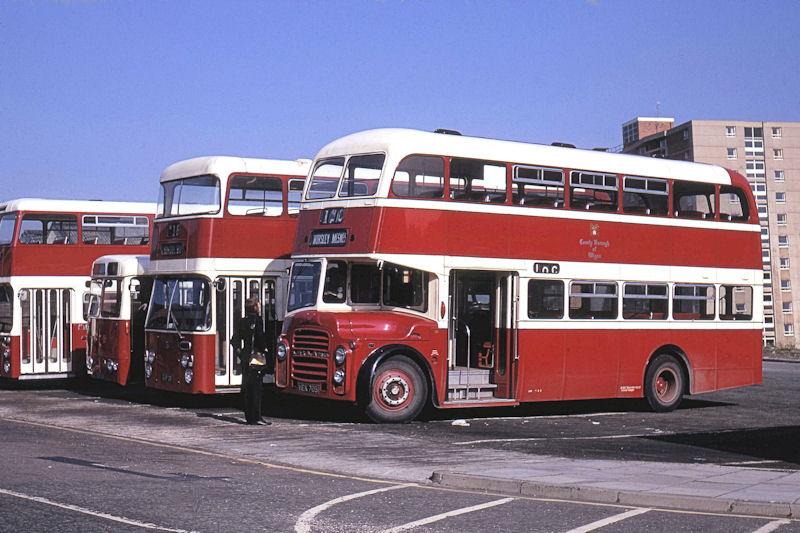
(303, 524)
(606, 521)
(106, 516)
(456, 512)
(772, 526)
(533, 439)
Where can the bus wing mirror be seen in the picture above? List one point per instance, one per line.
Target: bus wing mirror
(219, 284)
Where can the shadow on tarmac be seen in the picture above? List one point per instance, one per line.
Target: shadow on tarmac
(777, 443)
(285, 406)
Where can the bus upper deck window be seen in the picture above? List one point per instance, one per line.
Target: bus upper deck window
(48, 229)
(255, 195)
(474, 180)
(538, 187)
(325, 179)
(645, 196)
(419, 176)
(733, 204)
(693, 200)
(593, 192)
(362, 175)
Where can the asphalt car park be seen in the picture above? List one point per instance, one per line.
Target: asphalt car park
(96, 457)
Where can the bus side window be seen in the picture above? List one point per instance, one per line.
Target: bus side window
(593, 192)
(693, 302)
(733, 205)
(693, 200)
(735, 302)
(545, 299)
(419, 176)
(592, 300)
(538, 187)
(474, 180)
(295, 194)
(645, 196)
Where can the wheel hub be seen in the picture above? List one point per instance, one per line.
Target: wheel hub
(394, 390)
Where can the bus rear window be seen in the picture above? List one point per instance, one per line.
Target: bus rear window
(7, 228)
(48, 229)
(419, 176)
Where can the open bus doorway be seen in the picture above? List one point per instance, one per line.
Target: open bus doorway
(481, 335)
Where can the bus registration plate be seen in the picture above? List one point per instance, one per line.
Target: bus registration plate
(308, 387)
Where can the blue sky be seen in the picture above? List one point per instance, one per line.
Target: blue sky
(97, 97)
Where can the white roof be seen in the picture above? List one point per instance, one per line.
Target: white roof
(78, 206)
(398, 143)
(129, 265)
(222, 166)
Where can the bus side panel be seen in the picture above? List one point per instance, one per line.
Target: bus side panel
(591, 364)
(274, 239)
(426, 224)
(490, 240)
(736, 352)
(78, 353)
(638, 346)
(700, 348)
(122, 351)
(541, 365)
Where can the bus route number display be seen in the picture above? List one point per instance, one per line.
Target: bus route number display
(332, 215)
(546, 268)
(328, 237)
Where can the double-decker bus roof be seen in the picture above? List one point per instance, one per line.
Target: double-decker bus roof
(127, 265)
(398, 143)
(223, 166)
(77, 206)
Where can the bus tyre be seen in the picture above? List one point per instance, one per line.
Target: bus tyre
(398, 391)
(664, 383)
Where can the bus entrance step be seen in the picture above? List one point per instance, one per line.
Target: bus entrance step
(470, 392)
(468, 376)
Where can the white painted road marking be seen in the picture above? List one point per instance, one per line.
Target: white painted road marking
(83, 510)
(456, 512)
(772, 526)
(532, 439)
(606, 521)
(303, 524)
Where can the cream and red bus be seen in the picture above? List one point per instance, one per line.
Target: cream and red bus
(461, 272)
(223, 233)
(120, 289)
(46, 252)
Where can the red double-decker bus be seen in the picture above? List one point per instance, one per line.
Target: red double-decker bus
(46, 252)
(457, 271)
(120, 290)
(223, 233)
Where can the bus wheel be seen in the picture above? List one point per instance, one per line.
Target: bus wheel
(664, 383)
(398, 391)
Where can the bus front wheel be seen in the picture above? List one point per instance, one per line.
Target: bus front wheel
(398, 391)
(664, 383)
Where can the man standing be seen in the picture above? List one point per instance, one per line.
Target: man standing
(250, 345)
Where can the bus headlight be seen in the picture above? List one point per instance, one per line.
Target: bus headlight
(281, 350)
(338, 377)
(149, 357)
(148, 371)
(6, 366)
(340, 355)
(188, 376)
(187, 360)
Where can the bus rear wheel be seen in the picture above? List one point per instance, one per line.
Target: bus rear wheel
(664, 383)
(398, 391)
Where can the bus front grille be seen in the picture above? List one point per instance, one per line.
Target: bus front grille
(311, 340)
